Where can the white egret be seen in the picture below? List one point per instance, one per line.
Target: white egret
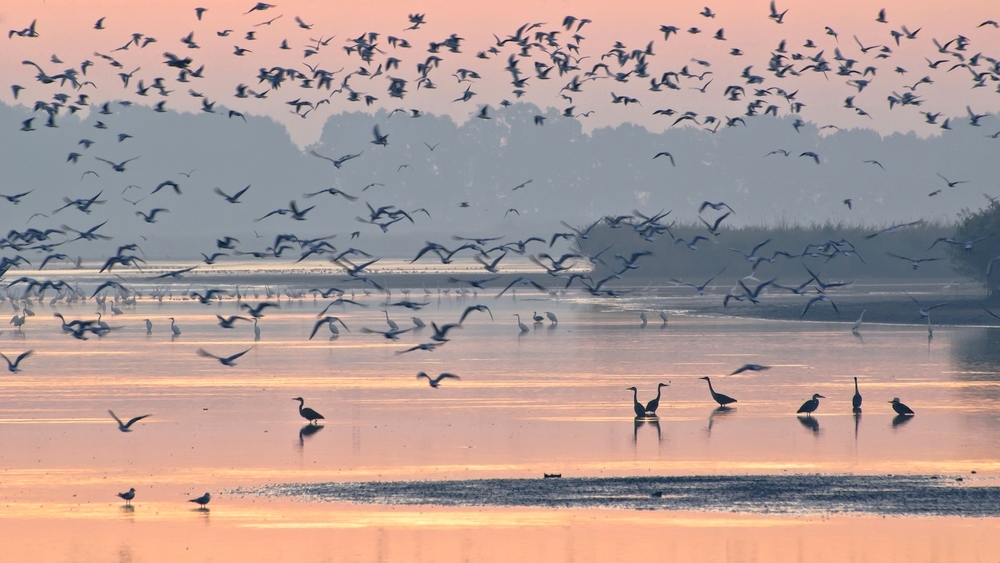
(520, 325)
(392, 324)
(173, 328)
(256, 330)
(418, 322)
(552, 317)
(857, 323)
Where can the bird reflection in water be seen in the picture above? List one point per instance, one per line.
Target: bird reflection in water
(722, 411)
(307, 431)
(857, 423)
(901, 419)
(640, 421)
(811, 423)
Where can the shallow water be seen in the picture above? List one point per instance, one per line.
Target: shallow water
(552, 400)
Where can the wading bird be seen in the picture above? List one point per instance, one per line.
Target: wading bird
(856, 400)
(811, 405)
(306, 412)
(723, 400)
(655, 403)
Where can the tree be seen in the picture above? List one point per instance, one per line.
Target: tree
(978, 260)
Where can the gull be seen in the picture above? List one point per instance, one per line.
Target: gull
(329, 321)
(699, 288)
(818, 298)
(332, 191)
(12, 366)
(900, 408)
(472, 308)
(235, 198)
(894, 228)
(151, 218)
(228, 361)
(926, 311)
(16, 198)
(523, 281)
(915, 262)
(229, 322)
(126, 426)
(390, 334)
(119, 167)
(714, 227)
(256, 312)
(441, 333)
(427, 346)
(202, 500)
(130, 494)
(340, 161)
(437, 380)
(751, 367)
(666, 154)
(950, 183)
(306, 412)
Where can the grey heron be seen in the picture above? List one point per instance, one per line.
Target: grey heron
(306, 412)
(723, 400)
(173, 327)
(811, 405)
(856, 400)
(640, 411)
(655, 403)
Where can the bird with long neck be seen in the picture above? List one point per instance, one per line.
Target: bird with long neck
(306, 412)
(723, 400)
(856, 401)
(640, 411)
(655, 403)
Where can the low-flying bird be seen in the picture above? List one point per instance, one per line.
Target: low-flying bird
(229, 361)
(751, 367)
(12, 366)
(666, 154)
(126, 426)
(435, 382)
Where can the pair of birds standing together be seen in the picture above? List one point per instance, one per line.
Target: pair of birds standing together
(130, 494)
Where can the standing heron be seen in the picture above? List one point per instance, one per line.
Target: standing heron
(900, 408)
(392, 324)
(640, 411)
(856, 401)
(306, 412)
(256, 330)
(552, 317)
(857, 323)
(149, 327)
(723, 400)
(655, 403)
(811, 405)
(642, 315)
(128, 496)
(418, 322)
(663, 315)
(173, 327)
(520, 325)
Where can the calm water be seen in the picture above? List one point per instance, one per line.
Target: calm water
(552, 400)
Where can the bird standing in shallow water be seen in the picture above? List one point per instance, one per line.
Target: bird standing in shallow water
(306, 412)
(202, 500)
(723, 400)
(655, 403)
(900, 408)
(811, 405)
(856, 400)
(128, 496)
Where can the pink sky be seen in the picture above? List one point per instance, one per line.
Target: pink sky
(65, 29)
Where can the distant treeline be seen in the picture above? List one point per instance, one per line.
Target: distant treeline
(819, 247)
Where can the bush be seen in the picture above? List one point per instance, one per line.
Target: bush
(982, 226)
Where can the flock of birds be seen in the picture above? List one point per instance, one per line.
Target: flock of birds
(532, 45)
